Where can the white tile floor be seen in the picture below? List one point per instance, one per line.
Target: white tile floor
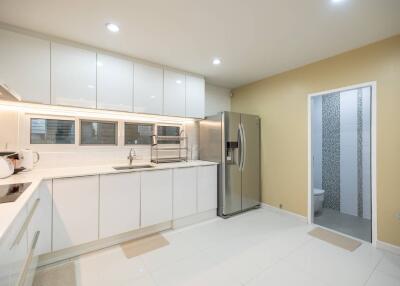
(261, 247)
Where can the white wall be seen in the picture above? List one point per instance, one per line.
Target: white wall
(316, 124)
(348, 152)
(217, 99)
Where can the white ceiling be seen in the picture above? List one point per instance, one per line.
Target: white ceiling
(254, 38)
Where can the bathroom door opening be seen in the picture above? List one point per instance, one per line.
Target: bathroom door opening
(342, 161)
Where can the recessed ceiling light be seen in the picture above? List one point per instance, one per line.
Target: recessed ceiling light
(337, 1)
(178, 81)
(216, 61)
(112, 27)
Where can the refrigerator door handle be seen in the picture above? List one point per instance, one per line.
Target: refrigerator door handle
(243, 146)
(239, 163)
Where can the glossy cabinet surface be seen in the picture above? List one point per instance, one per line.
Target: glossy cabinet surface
(195, 97)
(41, 219)
(156, 197)
(148, 89)
(75, 211)
(206, 188)
(25, 66)
(119, 203)
(114, 83)
(174, 93)
(185, 187)
(73, 76)
(13, 252)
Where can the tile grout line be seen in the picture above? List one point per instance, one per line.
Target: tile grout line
(374, 270)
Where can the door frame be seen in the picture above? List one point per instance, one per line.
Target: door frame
(310, 208)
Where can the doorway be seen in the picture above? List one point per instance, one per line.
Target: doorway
(342, 160)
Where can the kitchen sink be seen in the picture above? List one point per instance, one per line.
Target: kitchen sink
(133, 167)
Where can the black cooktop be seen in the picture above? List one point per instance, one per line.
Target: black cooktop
(10, 193)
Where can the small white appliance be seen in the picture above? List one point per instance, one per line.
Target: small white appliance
(6, 167)
(28, 159)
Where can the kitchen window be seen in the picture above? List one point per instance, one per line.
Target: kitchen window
(98, 132)
(165, 130)
(138, 133)
(52, 131)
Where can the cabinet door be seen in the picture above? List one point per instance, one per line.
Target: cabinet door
(75, 211)
(41, 219)
(114, 83)
(207, 188)
(73, 76)
(156, 197)
(148, 89)
(25, 66)
(185, 186)
(119, 203)
(174, 93)
(13, 251)
(195, 97)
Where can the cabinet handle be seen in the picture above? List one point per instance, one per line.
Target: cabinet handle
(28, 261)
(25, 225)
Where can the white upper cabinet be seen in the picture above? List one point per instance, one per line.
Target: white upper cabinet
(114, 83)
(25, 66)
(148, 89)
(174, 93)
(73, 76)
(195, 96)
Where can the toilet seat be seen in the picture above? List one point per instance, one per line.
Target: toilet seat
(318, 192)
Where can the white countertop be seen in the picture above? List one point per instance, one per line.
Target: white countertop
(9, 211)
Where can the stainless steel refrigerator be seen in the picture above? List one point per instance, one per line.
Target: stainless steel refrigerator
(233, 140)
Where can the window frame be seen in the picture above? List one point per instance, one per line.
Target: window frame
(116, 123)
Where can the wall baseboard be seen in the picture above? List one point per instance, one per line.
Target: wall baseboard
(278, 210)
(388, 247)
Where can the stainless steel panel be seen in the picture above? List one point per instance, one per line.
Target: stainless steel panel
(232, 193)
(251, 187)
(211, 139)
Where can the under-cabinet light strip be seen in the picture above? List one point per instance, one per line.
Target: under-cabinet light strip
(81, 112)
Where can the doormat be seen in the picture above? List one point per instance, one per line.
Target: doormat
(142, 245)
(335, 239)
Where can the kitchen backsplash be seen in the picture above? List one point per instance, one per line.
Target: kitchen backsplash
(13, 133)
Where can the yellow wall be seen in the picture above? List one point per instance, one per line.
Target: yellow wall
(281, 102)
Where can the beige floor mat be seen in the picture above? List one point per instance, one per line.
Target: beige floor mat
(335, 239)
(142, 245)
(63, 275)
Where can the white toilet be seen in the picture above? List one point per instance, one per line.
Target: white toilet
(318, 200)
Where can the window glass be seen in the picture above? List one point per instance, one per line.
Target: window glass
(138, 133)
(52, 131)
(98, 132)
(164, 130)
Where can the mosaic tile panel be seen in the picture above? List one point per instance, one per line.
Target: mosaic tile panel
(331, 150)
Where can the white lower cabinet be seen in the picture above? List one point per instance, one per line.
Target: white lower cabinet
(75, 211)
(185, 186)
(119, 203)
(13, 251)
(206, 188)
(156, 197)
(41, 219)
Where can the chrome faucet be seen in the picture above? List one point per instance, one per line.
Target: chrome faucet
(131, 156)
